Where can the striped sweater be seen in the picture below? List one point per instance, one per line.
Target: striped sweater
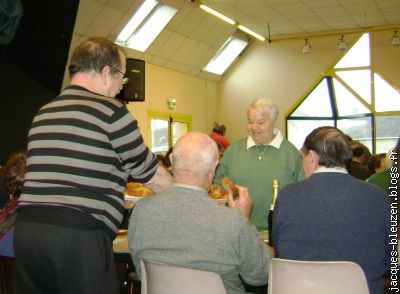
(82, 149)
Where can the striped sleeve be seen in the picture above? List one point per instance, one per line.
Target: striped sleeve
(137, 160)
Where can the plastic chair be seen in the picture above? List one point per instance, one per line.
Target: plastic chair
(160, 278)
(316, 277)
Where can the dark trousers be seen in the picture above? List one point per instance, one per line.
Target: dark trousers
(56, 259)
(254, 289)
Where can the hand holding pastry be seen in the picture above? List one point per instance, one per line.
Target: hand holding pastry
(244, 203)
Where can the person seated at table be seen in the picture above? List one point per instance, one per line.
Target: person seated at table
(3, 193)
(377, 163)
(357, 168)
(13, 173)
(331, 215)
(184, 227)
(382, 177)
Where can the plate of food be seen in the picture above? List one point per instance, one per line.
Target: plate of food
(135, 191)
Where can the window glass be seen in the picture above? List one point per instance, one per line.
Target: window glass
(346, 102)
(359, 81)
(299, 129)
(386, 132)
(358, 55)
(352, 97)
(316, 104)
(386, 97)
(178, 129)
(360, 129)
(166, 128)
(159, 135)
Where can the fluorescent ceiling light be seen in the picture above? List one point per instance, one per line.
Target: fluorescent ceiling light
(250, 32)
(146, 25)
(143, 11)
(226, 55)
(217, 14)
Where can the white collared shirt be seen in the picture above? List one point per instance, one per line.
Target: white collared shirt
(276, 141)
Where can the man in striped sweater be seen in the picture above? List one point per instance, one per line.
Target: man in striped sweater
(82, 149)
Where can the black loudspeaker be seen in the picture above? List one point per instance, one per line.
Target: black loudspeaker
(134, 89)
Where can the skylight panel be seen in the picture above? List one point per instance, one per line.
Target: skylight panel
(226, 55)
(145, 25)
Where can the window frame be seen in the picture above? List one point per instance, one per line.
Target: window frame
(171, 117)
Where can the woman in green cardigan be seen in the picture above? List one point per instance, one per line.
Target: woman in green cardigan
(255, 161)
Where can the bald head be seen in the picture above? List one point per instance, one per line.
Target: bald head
(194, 156)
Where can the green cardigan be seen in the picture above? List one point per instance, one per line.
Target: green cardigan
(381, 179)
(244, 168)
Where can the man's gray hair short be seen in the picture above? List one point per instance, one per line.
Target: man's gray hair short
(194, 153)
(331, 145)
(266, 106)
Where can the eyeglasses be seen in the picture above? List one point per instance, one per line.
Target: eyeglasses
(125, 79)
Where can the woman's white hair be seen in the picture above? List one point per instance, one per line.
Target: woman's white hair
(266, 106)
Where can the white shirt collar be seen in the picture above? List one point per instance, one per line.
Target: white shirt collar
(190, 187)
(276, 141)
(324, 169)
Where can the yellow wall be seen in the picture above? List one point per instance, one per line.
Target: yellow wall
(194, 96)
(276, 70)
(281, 72)
(386, 58)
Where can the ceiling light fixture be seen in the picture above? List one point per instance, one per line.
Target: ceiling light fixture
(250, 32)
(227, 54)
(217, 14)
(342, 44)
(145, 25)
(395, 39)
(230, 21)
(306, 47)
(143, 11)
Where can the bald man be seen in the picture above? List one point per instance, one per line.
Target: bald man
(184, 227)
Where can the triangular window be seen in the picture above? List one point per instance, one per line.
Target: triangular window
(359, 81)
(386, 97)
(358, 55)
(346, 102)
(355, 99)
(317, 103)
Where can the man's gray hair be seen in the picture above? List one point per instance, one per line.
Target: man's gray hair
(266, 106)
(194, 153)
(331, 145)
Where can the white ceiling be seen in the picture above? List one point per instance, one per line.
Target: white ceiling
(193, 36)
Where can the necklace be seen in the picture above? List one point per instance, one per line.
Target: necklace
(260, 154)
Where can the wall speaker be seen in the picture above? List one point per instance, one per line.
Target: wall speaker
(134, 89)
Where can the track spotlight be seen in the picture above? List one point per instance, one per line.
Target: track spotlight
(395, 39)
(342, 44)
(306, 47)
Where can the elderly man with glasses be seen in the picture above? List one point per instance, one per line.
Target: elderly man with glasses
(83, 148)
